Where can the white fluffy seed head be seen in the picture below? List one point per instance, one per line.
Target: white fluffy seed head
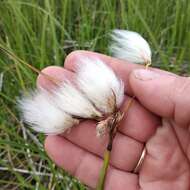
(130, 46)
(100, 84)
(74, 102)
(42, 114)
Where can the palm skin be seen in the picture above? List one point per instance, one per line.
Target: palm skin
(167, 162)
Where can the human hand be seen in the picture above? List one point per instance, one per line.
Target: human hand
(166, 164)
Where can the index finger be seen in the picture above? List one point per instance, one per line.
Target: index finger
(120, 67)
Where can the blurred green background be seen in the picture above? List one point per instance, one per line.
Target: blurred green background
(42, 33)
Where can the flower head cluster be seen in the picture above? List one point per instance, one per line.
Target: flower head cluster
(40, 112)
(97, 94)
(130, 46)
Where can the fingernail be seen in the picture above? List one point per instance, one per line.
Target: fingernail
(144, 74)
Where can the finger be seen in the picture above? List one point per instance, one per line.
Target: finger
(125, 153)
(55, 72)
(120, 67)
(85, 166)
(165, 165)
(138, 123)
(163, 94)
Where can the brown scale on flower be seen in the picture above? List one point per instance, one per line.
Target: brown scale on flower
(110, 124)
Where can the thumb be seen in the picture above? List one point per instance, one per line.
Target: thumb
(164, 94)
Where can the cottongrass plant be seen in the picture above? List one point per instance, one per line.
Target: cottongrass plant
(130, 46)
(96, 94)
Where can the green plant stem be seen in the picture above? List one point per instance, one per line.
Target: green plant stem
(18, 60)
(103, 172)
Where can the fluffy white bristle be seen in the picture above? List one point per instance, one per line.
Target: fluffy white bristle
(100, 84)
(42, 114)
(130, 46)
(74, 102)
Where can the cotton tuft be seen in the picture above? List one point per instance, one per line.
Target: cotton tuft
(71, 100)
(96, 94)
(100, 84)
(130, 46)
(43, 115)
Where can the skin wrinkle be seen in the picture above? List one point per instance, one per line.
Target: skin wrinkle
(184, 149)
(149, 185)
(110, 175)
(180, 87)
(75, 172)
(182, 132)
(188, 153)
(178, 140)
(188, 150)
(129, 136)
(84, 149)
(171, 101)
(185, 81)
(174, 93)
(174, 179)
(163, 178)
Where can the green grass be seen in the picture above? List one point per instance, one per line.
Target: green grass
(42, 33)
